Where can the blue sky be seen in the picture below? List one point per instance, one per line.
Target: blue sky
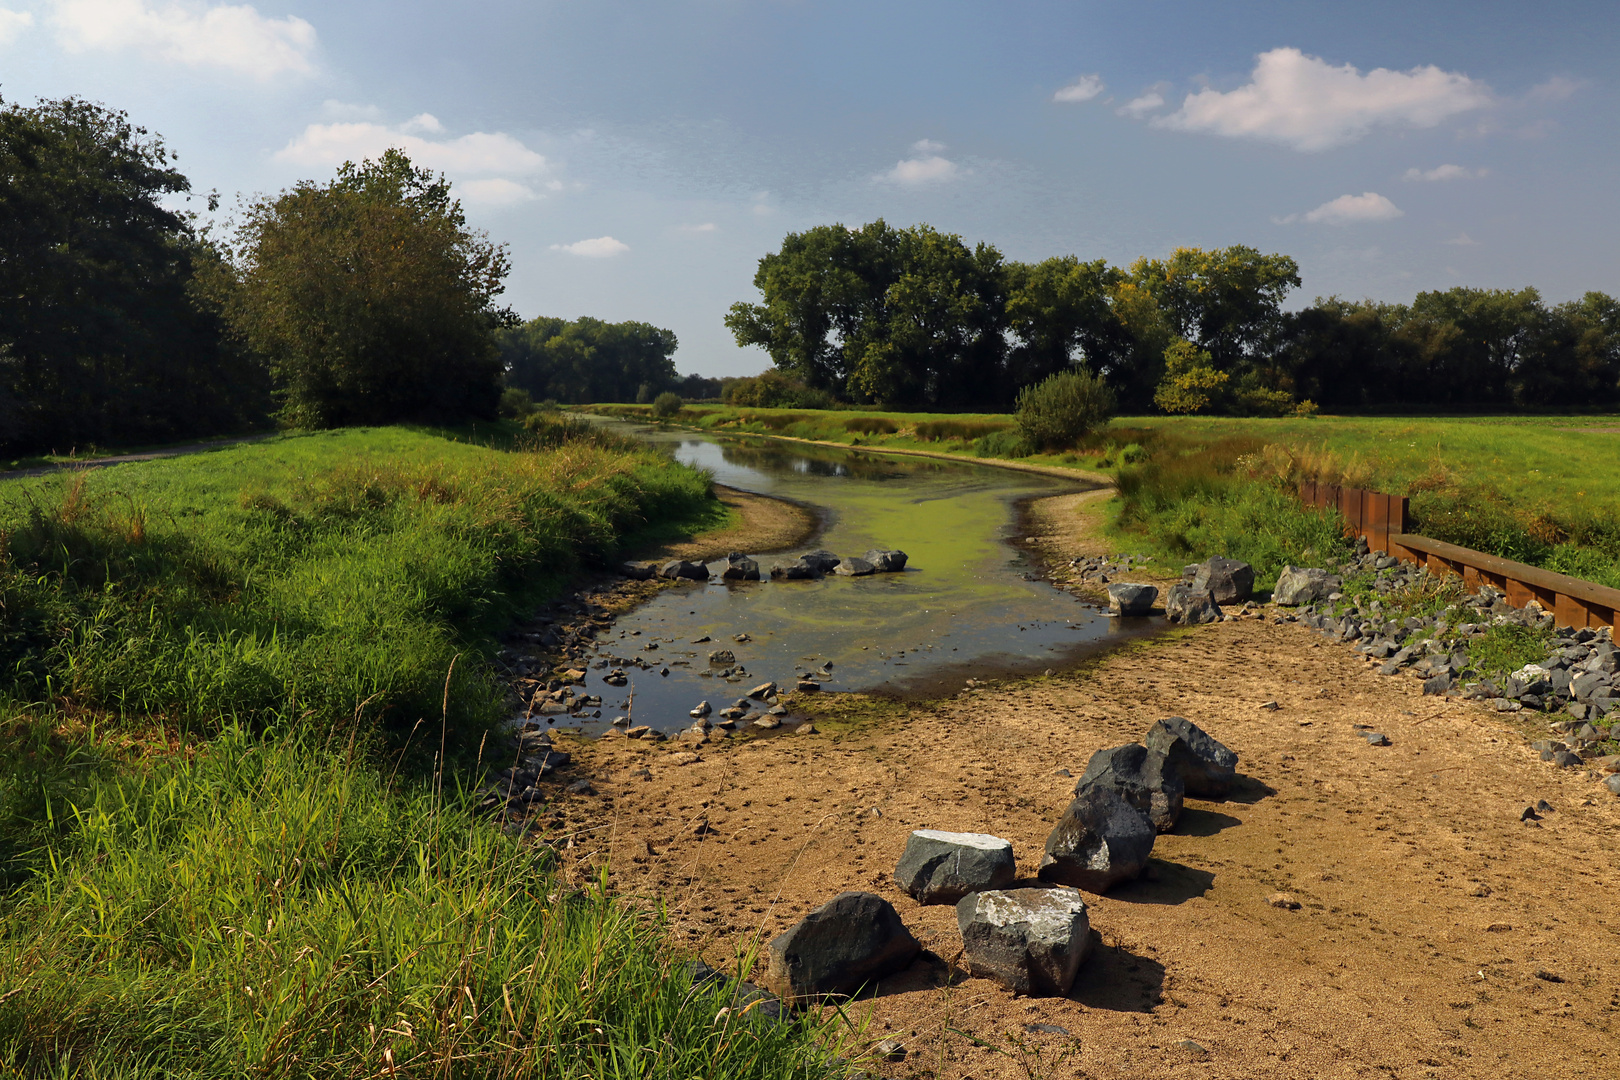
(639, 157)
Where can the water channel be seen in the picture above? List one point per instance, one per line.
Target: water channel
(969, 603)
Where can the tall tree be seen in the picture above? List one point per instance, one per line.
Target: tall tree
(370, 298)
(1225, 301)
(589, 360)
(102, 338)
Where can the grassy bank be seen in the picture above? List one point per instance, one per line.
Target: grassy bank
(221, 854)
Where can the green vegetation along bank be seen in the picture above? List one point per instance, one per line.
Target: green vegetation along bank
(246, 695)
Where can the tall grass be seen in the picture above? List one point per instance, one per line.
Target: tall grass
(274, 908)
(302, 580)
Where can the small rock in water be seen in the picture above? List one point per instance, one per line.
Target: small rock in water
(1131, 600)
(854, 567)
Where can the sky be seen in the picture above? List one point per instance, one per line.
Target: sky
(640, 156)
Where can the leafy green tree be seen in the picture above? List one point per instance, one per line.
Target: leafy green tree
(1191, 383)
(103, 338)
(1061, 409)
(589, 360)
(1061, 313)
(1226, 301)
(370, 298)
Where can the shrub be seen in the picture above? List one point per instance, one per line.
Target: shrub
(1056, 413)
(960, 430)
(516, 403)
(666, 405)
(774, 390)
(1009, 443)
(1191, 384)
(870, 425)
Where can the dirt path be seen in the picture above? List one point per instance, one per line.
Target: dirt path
(148, 455)
(1438, 935)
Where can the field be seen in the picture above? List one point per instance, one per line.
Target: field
(246, 695)
(1538, 489)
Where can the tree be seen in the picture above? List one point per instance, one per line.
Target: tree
(1061, 313)
(1226, 301)
(590, 360)
(370, 298)
(103, 338)
(1191, 382)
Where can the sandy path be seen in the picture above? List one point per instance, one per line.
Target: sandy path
(1438, 935)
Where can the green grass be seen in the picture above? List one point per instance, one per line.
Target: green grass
(302, 579)
(270, 908)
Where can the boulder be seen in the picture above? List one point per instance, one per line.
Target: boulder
(886, 561)
(853, 567)
(824, 562)
(942, 867)
(794, 571)
(851, 941)
(1205, 766)
(1100, 841)
(1127, 599)
(760, 692)
(637, 571)
(740, 567)
(1183, 605)
(1227, 580)
(1032, 941)
(1144, 777)
(1296, 585)
(680, 568)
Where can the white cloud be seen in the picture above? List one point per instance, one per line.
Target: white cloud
(1556, 88)
(13, 23)
(334, 109)
(1084, 88)
(601, 247)
(1305, 102)
(496, 191)
(706, 227)
(1138, 107)
(423, 123)
(231, 36)
(1348, 210)
(1462, 240)
(481, 153)
(1444, 172)
(927, 168)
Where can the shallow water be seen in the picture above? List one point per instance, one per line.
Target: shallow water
(964, 607)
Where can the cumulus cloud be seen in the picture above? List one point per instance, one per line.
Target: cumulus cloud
(1305, 102)
(231, 36)
(928, 167)
(1461, 240)
(1348, 210)
(1138, 107)
(1084, 88)
(496, 191)
(600, 247)
(1444, 172)
(479, 154)
(13, 23)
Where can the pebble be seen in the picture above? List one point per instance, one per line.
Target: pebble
(1283, 900)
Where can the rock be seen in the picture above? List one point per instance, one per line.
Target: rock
(1127, 599)
(641, 732)
(680, 568)
(1437, 685)
(1205, 766)
(824, 562)
(1566, 760)
(1195, 1049)
(1283, 900)
(853, 567)
(794, 571)
(1032, 941)
(581, 787)
(722, 656)
(1227, 580)
(762, 691)
(1612, 782)
(1194, 608)
(942, 867)
(1296, 585)
(1145, 779)
(703, 709)
(1375, 738)
(682, 757)
(853, 940)
(808, 686)
(766, 723)
(886, 561)
(1100, 841)
(740, 567)
(638, 571)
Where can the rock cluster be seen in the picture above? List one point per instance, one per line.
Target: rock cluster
(1102, 569)
(818, 564)
(1205, 586)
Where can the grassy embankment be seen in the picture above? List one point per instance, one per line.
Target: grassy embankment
(228, 846)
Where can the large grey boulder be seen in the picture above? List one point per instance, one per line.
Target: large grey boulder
(942, 867)
(851, 941)
(1127, 599)
(1032, 941)
(1297, 585)
(1206, 767)
(1100, 841)
(853, 567)
(680, 568)
(1183, 605)
(1227, 580)
(887, 560)
(799, 570)
(1144, 777)
(825, 562)
(740, 567)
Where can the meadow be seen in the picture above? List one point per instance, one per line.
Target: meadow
(221, 852)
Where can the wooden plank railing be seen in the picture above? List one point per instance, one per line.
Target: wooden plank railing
(1382, 519)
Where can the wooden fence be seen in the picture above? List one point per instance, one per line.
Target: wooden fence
(1382, 520)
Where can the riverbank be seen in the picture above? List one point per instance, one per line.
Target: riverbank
(1437, 933)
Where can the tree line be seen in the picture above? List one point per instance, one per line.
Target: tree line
(916, 319)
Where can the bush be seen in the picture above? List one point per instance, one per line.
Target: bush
(1009, 443)
(774, 390)
(666, 405)
(1058, 412)
(516, 403)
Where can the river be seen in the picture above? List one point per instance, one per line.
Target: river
(969, 604)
